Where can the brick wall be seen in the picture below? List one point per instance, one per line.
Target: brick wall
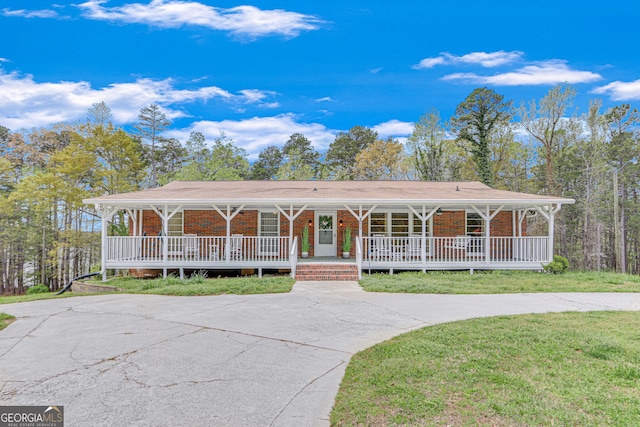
(298, 225)
(502, 224)
(151, 223)
(210, 223)
(450, 223)
(348, 220)
(453, 223)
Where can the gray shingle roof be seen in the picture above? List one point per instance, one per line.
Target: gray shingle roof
(324, 192)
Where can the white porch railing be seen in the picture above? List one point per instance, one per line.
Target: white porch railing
(371, 252)
(185, 249)
(460, 249)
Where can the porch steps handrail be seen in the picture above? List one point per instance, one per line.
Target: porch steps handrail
(293, 256)
(359, 255)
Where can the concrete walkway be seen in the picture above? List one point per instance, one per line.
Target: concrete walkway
(260, 360)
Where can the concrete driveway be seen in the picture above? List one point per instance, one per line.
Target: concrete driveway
(260, 360)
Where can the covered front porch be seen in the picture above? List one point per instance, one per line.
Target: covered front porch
(372, 253)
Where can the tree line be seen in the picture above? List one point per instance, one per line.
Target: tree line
(543, 146)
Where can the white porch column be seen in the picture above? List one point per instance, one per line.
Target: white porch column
(105, 213)
(552, 227)
(523, 216)
(165, 216)
(228, 217)
(291, 216)
(549, 212)
(424, 217)
(487, 216)
(359, 216)
(103, 244)
(133, 215)
(487, 237)
(165, 241)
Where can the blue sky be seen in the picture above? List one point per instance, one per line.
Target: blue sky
(262, 70)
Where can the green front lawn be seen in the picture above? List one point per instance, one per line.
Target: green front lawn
(199, 285)
(500, 282)
(10, 299)
(196, 285)
(568, 369)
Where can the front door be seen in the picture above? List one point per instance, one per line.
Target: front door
(325, 234)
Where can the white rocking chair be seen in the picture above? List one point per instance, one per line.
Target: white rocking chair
(235, 247)
(190, 247)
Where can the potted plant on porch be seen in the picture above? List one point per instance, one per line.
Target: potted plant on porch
(304, 242)
(346, 242)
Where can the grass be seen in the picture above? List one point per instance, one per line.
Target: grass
(565, 369)
(35, 297)
(197, 285)
(5, 320)
(500, 282)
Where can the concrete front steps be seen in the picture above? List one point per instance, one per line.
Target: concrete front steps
(326, 271)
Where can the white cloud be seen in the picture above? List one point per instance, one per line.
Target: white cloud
(394, 128)
(4, 60)
(620, 91)
(430, 63)
(542, 73)
(269, 105)
(375, 70)
(26, 103)
(325, 99)
(485, 59)
(22, 13)
(244, 21)
(257, 133)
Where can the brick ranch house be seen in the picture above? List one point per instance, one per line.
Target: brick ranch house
(258, 225)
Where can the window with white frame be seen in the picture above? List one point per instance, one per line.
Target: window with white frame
(175, 228)
(405, 228)
(176, 225)
(269, 224)
(397, 224)
(269, 231)
(475, 231)
(475, 224)
(378, 223)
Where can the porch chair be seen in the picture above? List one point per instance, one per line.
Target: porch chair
(235, 247)
(414, 249)
(214, 253)
(455, 248)
(190, 247)
(459, 242)
(379, 247)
